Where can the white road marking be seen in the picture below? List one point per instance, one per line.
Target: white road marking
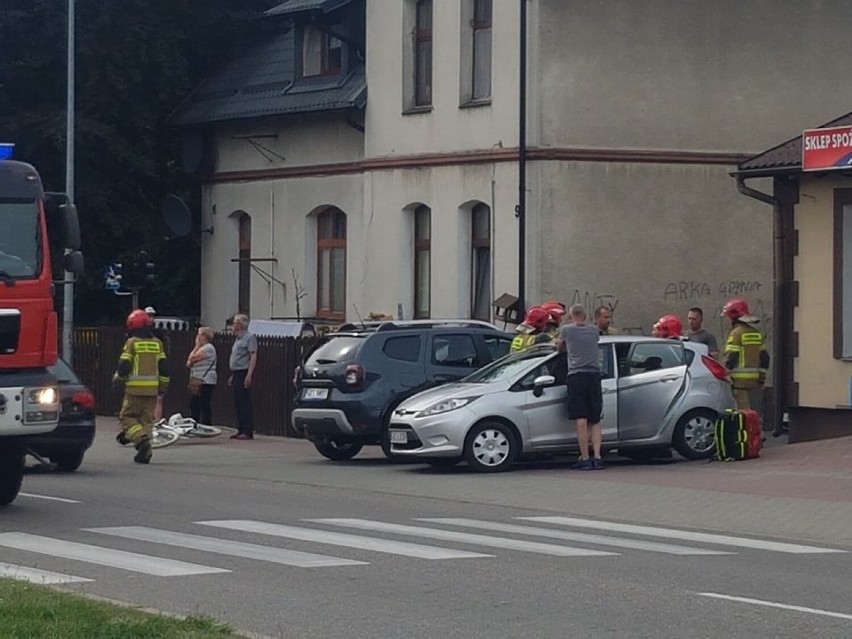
(62, 499)
(344, 539)
(669, 533)
(227, 547)
(619, 542)
(466, 538)
(104, 556)
(773, 604)
(36, 576)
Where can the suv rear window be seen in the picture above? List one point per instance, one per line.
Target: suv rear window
(336, 350)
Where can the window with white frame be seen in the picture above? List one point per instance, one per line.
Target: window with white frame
(422, 262)
(481, 34)
(843, 274)
(481, 262)
(322, 53)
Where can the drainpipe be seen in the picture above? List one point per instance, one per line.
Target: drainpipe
(779, 304)
(521, 210)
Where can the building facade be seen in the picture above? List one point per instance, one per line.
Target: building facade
(322, 202)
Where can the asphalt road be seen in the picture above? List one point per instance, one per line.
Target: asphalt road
(271, 538)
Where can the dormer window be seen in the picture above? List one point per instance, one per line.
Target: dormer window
(322, 54)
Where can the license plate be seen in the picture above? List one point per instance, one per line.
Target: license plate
(314, 393)
(398, 437)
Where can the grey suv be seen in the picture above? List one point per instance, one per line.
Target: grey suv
(350, 383)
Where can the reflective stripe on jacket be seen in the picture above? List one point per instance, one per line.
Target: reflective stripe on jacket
(141, 367)
(522, 342)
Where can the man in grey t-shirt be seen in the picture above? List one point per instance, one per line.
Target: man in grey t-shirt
(579, 341)
(242, 362)
(695, 319)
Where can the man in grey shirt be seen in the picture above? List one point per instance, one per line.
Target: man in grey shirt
(695, 319)
(579, 341)
(242, 362)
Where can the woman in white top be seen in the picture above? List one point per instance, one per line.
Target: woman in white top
(202, 373)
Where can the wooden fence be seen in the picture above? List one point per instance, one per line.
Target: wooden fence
(96, 352)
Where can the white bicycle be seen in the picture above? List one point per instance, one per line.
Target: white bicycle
(168, 431)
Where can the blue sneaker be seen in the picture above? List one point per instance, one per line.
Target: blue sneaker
(582, 464)
(597, 464)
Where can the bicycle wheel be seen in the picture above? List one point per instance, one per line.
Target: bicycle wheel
(161, 437)
(203, 430)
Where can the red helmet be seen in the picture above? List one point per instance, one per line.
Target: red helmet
(556, 310)
(668, 326)
(735, 309)
(138, 319)
(537, 318)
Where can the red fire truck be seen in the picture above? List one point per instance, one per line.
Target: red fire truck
(32, 224)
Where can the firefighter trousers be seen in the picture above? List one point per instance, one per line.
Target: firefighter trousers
(137, 417)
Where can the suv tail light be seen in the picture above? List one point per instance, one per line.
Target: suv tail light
(84, 399)
(354, 375)
(719, 371)
(296, 374)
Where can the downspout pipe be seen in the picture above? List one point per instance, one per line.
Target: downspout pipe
(521, 210)
(779, 302)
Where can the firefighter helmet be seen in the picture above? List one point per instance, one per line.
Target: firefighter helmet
(668, 326)
(537, 318)
(138, 319)
(556, 310)
(735, 309)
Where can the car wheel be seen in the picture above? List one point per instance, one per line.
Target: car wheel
(69, 461)
(11, 473)
(443, 462)
(693, 434)
(490, 447)
(338, 449)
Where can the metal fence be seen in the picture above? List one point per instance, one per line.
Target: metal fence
(96, 352)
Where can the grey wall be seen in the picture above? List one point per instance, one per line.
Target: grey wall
(650, 239)
(728, 75)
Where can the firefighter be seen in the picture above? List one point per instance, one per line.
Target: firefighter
(556, 311)
(668, 326)
(535, 321)
(745, 354)
(143, 373)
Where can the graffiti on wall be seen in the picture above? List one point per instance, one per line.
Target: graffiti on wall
(593, 300)
(711, 296)
(686, 290)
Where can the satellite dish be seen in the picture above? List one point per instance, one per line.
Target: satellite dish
(176, 215)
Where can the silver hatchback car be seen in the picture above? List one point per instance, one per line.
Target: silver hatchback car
(657, 394)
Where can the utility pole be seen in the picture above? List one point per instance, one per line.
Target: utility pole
(68, 280)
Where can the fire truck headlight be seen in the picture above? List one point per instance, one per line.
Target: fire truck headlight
(41, 405)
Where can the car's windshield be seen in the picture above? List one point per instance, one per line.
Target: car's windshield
(509, 366)
(20, 240)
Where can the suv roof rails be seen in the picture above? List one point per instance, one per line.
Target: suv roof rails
(430, 323)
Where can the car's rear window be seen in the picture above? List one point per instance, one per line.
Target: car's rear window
(335, 350)
(63, 373)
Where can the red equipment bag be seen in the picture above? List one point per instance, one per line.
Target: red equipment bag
(738, 435)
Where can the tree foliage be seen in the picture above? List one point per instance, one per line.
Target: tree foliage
(136, 60)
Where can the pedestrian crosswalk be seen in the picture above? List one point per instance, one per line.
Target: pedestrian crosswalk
(334, 541)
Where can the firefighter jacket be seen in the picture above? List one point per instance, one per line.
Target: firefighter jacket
(522, 341)
(142, 367)
(745, 356)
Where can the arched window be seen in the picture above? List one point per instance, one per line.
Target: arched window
(422, 262)
(244, 294)
(480, 250)
(331, 263)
